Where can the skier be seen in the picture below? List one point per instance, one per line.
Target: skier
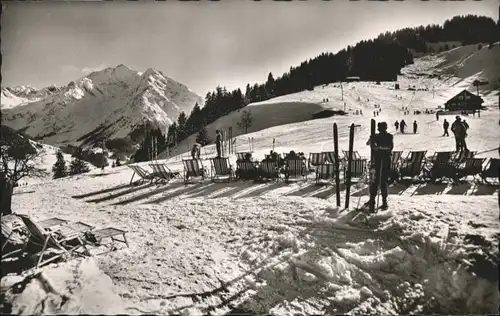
(402, 126)
(415, 126)
(459, 129)
(437, 116)
(218, 143)
(396, 125)
(446, 124)
(382, 143)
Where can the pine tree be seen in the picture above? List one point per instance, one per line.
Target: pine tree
(246, 120)
(77, 164)
(59, 169)
(202, 137)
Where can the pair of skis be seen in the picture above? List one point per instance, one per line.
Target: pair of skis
(348, 175)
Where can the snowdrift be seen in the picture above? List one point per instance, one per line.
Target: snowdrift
(72, 288)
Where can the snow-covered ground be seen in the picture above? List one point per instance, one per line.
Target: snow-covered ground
(283, 248)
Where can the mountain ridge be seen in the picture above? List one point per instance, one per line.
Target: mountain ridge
(118, 98)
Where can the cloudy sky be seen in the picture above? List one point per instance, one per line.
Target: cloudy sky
(201, 44)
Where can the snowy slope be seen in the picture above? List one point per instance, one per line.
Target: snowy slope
(108, 104)
(458, 68)
(286, 249)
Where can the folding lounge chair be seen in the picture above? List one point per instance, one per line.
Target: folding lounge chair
(491, 170)
(145, 175)
(470, 167)
(411, 167)
(441, 156)
(193, 168)
(442, 168)
(269, 169)
(295, 168)
(221, 169)
(48, 240)
(316, 159)
(161, 172)
(358, 169)
(246, 169)
(325, 172)
(330, 157)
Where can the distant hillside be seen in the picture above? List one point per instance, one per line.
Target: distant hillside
(380, 59)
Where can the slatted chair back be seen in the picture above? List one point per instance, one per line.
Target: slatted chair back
(294, 168)
(161, 170)
(140, 171)
(355, 154)
(462, 155)
(221, 166)
(491, 170)
(325, 172)
(472, 167)
(241, 156)
(246, 165)
(193, 167)
(413, 165)
(269, 169)
(358, 168)
(329, 156)
(442, 156)
(316, 159)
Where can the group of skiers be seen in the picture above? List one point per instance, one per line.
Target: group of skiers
(459, 129)
(196, 149)
(402, 126)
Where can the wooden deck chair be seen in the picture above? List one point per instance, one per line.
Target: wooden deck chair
(97, 236)
(316, 159)
(395, 164)
(358, 169)
(295, 168)
(221, 169)
(355, 154)
(269, 170)
(441, 168)
(325, 172)
(50, 240)
(463, 154)
(161, 172)
(412, 165)
(491, 170)
(246, 169)
(143, 174)
(193, 168)
(470, 167)
(51, 223)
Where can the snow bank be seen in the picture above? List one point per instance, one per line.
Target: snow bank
(76, 287)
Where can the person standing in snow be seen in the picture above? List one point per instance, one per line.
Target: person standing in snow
(195, 151)
(218, 143)
(415, 126)
(459, 130)
(396, 125)
(446, 124)
(466, 126)
(402, 126)
(382, 143)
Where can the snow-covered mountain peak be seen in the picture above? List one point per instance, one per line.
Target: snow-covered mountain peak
(120, 73)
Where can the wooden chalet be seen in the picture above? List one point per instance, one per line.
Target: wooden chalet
(465, 100)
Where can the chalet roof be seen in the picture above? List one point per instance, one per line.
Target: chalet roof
(465, 92)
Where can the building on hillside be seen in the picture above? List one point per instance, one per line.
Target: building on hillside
(464, 101)
(351, 79)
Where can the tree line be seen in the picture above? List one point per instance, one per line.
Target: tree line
(379, 59)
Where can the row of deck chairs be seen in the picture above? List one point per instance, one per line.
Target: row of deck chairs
(160, 173)
(67, 238)
(414, 166)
